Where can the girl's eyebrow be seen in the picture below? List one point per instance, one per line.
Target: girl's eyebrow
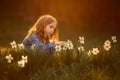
(51, 26)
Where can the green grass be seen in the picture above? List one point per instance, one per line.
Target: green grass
(64, 65)
(69, 65)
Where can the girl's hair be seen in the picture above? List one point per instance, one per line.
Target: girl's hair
(39, 28)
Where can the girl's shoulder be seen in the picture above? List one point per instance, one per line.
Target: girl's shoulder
(32, 36)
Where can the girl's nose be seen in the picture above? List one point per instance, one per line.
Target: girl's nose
(52, 30)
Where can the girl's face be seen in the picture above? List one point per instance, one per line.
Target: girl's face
(50, 28)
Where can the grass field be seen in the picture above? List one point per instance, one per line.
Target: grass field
(70, 64)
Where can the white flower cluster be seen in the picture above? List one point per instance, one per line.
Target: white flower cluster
(14, 45)
(81, 49)
(107, 45)
(81, 41)
(67, 46)
(22, 62)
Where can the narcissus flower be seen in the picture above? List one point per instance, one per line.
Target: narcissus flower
(107, 45)
(107, 42)
(13, 44)
(58, 48)
(114, 39)
(21, 46)
(81, 39)
(21, 63)
(89, 53)
(25, 58)
(69, 45)
(95, 51)
(81, 49)
(9, 58)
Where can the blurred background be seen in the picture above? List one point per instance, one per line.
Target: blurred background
(95, 19)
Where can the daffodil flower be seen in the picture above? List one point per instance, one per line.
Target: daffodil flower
(107, 47)
(21, 46)
(21, 63)
(114, 39)
(13, 44)
(81, 39)
(81, 48)
(25, 58)
(9, 58)
(58, 48)
(95, 51)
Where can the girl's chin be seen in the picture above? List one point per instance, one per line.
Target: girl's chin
(48, 34)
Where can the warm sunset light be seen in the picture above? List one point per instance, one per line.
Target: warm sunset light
(78, 16)
(60, 40)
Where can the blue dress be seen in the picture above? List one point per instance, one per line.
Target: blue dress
(33, 40)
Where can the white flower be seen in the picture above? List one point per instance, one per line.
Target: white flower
(33, 47)
(114, 39)
(13, 44)
(69, 44)
(21, 46)
(9, 58)
(81, 39)
(95, 51)
(81, 48)
(107, 47)
(25, 58)
(58, 48)
(89, 53)
(107, 42)
(21, 63)
(65, 46)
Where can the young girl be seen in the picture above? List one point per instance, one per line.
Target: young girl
(44, 34)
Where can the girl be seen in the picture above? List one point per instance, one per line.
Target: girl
(44, 34)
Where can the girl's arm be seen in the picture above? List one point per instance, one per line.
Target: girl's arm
(33, 40)
(61, 43)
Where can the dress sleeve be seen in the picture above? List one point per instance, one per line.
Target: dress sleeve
(33, 40)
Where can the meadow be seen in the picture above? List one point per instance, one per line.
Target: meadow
(83, 57)
(70, 62)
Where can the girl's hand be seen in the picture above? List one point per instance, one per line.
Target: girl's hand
(61, 43)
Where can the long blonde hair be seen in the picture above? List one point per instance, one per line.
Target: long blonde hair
(40, 26)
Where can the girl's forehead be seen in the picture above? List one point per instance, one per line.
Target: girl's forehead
(53, 23)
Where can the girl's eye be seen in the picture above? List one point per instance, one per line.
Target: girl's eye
(51, 26)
